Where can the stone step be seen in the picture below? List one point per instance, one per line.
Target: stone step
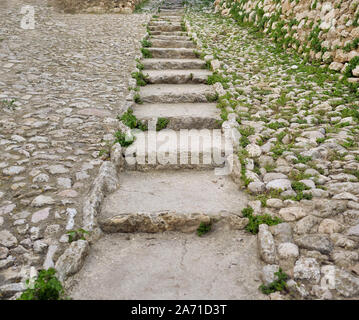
(172, 6)
(161, 64)
(170, 37)
(161, 22)
(172, 53)
(164, 23)
(165, 27)
(183, 195)
(165, 33)
(181, 115)
(176, 93)
(177, 76)
(168, 18)
(171, 13)
(223, 265)
(160, 43)
(177, 150)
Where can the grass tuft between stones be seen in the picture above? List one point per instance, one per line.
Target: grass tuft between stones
(162, 123)
(277, 285)
(123, 139)
(45, 287)
(255, 221)
(130, 120)
(78, 234)
(204, 228)
(146, 53)
(141, 79)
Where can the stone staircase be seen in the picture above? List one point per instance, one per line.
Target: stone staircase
(176, 88)
(177, 196)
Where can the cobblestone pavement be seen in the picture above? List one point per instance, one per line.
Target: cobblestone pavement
(298, 156)
(298, 153)
(58, 84)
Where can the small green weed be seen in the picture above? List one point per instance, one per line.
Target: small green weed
(137, 98)
(146, 43)
(46, 287)
(161, 123)
(349, 143)
(204, 228)
(299, 186)
(140, 66)
(141, 79)
(279, 284)
(78, 234)
(302, 159)
(146, 53)
(255, 221)
(215, 77)
(276, 125)
(123, 139)
(130, 120)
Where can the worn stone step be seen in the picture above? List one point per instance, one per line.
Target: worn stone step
(169, 149)
(171, 7)
(223, 265)
(163, 23)
(171, 33)
(165, 27)
(181, 115)
(180, 198)
(159, 22)
(171, 12)
(161, 64)
(176, 19)
(174, 53)
(176, 93)
(168, 18)
(170, 37)
(160, 43)
(177, 76)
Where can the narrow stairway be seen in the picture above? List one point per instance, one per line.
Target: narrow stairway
(177, 88)
(151, 250)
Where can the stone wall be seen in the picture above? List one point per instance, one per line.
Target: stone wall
(326, 31)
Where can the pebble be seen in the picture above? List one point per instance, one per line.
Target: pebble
(41, 201)
(40, 215)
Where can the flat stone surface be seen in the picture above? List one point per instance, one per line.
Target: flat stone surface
(171, 266)
(196, 148)
(175, 93)
(160, 64)
(170, 43)
(177, 76)
(169, 37)
(185, 110)
(176, 191)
